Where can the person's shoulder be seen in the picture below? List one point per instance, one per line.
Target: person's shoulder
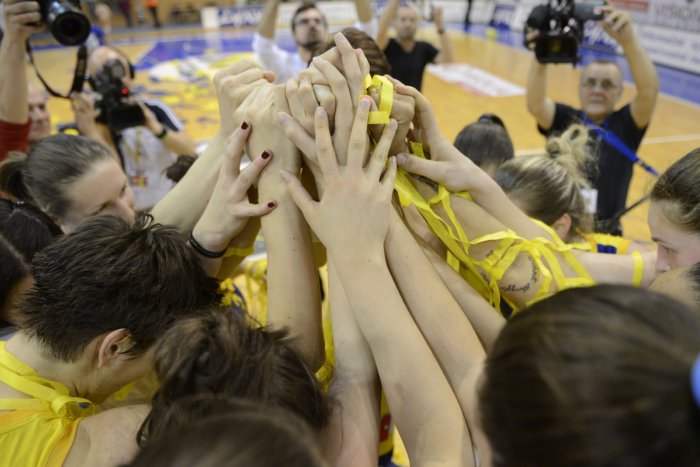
(623, 116)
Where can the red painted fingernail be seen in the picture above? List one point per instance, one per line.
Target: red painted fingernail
(265, 154)
(244, 126)
(271, 204)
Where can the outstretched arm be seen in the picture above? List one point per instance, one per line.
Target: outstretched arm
(618, 25)
(385, 20)
(352, 220)
(446, 54)
(20, 21)
(294, 297)
(538, 104)
(268, 20)
(353, 435)
(184, 204)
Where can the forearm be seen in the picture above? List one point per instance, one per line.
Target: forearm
(645, 78)
(485, 320)
(424, 406)
(538, 104)
(385, 20)
(487, 194)
(294, 296)
(521, 281)
(433, 308)
(364, 11)
(13, 82)
(353, 434)
(268, 20)
(179, 142)
(184, 204)
(446, 52)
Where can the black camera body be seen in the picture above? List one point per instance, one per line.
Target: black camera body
(560, 25)
(117, 110)
(65, 21)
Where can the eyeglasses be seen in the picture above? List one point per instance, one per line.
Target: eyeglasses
(605, 84)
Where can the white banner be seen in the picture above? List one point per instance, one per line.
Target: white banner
(476, 80)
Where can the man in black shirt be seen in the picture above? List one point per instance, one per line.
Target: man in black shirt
(409, 57)
(599, 90)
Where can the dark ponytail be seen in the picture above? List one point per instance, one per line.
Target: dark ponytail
(12, 179)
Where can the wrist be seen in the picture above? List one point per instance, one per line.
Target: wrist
(440, 30)
(371, 258)
(209, 241)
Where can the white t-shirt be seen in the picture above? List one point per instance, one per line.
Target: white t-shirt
(146, 158)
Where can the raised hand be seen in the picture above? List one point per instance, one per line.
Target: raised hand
(233, 85)
(229, 208)
(22, 18)
(617, 24)
(353, 213)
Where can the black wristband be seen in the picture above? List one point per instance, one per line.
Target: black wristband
(441, 31)
(162, 134)
(203, 251)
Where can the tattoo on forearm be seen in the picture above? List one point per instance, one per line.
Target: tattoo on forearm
(525, 287)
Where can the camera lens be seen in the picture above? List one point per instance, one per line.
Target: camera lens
(67, 24)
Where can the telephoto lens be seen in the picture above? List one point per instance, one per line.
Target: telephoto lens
(65, 21)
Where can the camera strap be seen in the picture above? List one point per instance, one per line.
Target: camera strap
(78, 75)
(613, 140)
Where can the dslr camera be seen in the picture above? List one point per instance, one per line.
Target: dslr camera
(560, 25)
(117, 109)
(65, 20)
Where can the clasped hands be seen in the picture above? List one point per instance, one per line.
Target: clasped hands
(320, 118)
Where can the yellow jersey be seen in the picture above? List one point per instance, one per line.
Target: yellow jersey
(38, 430)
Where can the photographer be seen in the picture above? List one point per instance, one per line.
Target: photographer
(148, 148)
(24, 116)
(600, 89)
(20, 18)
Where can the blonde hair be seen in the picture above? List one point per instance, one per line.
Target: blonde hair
(549, 185)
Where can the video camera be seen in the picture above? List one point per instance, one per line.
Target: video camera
(117, 110)
(560, 25)
(65, 21)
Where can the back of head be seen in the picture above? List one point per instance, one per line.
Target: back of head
(221, 353)
(487, 144)
(679, 188)
(11, 180)
(378, 63)
(596, 376)
(27, 228)
(551, 185)
(53, 163)
(24, 230)
(231, 433)
(110, 275)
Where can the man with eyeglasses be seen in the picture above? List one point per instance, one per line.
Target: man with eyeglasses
(614, 132)
(309, 29)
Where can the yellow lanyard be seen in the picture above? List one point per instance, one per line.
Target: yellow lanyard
(510, 245)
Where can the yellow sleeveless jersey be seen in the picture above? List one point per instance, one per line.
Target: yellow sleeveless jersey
(603, 243)
(39, 430)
